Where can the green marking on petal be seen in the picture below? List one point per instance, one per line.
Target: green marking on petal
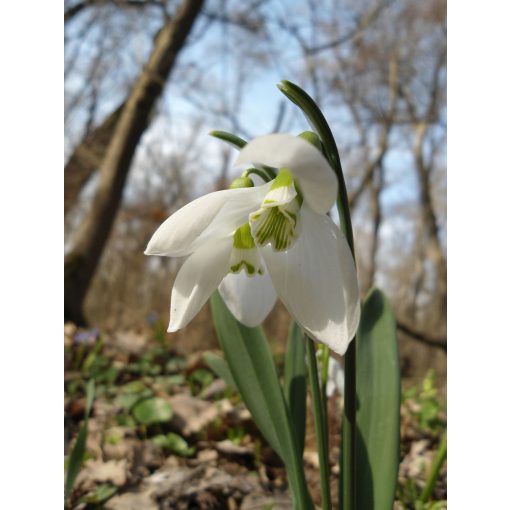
(243, 239)
(249, 268)
(278, 225)
(283, 179)
(283, 189)
(245, 254)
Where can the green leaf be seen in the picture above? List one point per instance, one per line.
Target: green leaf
(179, 445)
(377, 444)
(202, 377)
(133, 387)
(89, 399)
(125, 420)
(167, 383)
(220, 368)
(251, 363)
(131, 393)
(76, 459)
(101, 493)
(320, 413)
(174, 443)
(128, 400)
(294, 383)
(78, 452)
(252, 367)
(152, 410)
(233, 140)
(175, 364)
(434, 471)
(94, 357)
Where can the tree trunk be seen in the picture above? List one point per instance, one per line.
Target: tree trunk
(90, 240)
(429, 215)
(87, 157)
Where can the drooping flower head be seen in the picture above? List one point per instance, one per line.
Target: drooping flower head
(259, 242)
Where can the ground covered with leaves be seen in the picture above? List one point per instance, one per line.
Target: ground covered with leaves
(165, 432)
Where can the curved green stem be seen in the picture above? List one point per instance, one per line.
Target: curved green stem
(324, 372)
(434, 471)
(320, 419)
(231, 139)
(238, 143)
(263, 175)
(317, 120)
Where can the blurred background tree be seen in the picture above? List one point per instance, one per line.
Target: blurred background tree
(146, 81)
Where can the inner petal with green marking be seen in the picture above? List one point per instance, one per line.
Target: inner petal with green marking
(245, 254)
(277, 222)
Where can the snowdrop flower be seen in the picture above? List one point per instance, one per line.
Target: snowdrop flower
(266, 241)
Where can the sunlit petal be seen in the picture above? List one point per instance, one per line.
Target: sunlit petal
(316, 280)
(197, 279)
(315, 177)
(215, 215)
(250, 299)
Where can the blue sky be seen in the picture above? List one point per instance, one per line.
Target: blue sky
(215, 60)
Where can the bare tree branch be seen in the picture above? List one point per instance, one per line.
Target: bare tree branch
(75, 9)
(279, 116)
(239, 20)
(81, 262)
(80, 6)
(439, 343)
(378, 181)
(363, 23)
(372, 166)
(428, 212)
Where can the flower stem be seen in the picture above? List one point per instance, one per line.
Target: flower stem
(320, 419)
(319, 124)
(434, 471)
(263, 175)
(324, 365)
(348, 465)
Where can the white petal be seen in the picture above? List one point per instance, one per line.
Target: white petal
(350, 283)
(250, 299)
(317, 180)
(316, 280)
(211, 216)
(197, 279)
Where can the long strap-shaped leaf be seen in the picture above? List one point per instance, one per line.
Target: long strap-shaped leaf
(378, 415)
(294, 385)
(78, 452)
(220, 368)
(251, 364)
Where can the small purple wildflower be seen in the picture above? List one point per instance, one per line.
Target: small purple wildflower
(86, 336)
